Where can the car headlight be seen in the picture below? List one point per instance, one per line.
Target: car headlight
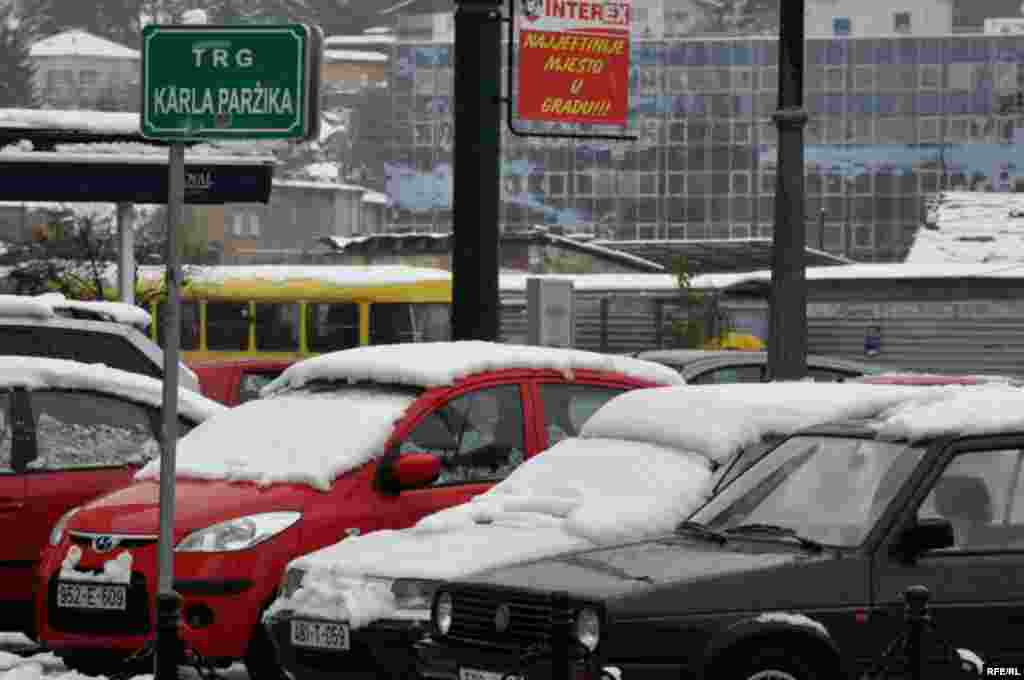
(442, 614)
(588, 628)
(291, 582)
(239, 533)
(414, 593)
(57, 532)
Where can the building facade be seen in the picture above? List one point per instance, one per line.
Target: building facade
(894, 118)
(78, 70)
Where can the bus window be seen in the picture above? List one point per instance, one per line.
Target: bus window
(391, 323)
(277, 327)
(432, 322)
(332, 326)
(189, 324)
(227, 325)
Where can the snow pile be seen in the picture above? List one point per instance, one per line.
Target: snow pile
(117, 570)
(430, 364)
(298, 438)
(718, 420)
(972, 410)
(45, 306)
(40, 373)
(971, 227)
(357, 601)
(322, 171)
(195, 16)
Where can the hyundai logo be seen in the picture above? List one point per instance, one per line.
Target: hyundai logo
(102, 544)
(502, 618)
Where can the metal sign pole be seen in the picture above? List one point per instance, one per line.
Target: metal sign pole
(168, 646)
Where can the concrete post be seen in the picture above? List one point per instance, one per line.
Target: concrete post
(126, 252)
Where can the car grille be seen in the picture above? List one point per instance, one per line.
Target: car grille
(474, 614)
(124, 542)
(134, 620)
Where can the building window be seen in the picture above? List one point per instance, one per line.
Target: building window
(254, 224)
(88, 78)
(842, 26)
(901, 22)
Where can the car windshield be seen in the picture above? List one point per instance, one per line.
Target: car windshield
(828, 489)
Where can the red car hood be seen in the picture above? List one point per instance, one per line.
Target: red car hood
(198, 504)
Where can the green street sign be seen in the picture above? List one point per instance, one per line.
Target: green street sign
(231, 82)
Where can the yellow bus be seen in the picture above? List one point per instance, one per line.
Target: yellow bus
(295, 311)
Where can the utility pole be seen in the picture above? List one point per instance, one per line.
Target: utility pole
(476, 191)
(787, 344)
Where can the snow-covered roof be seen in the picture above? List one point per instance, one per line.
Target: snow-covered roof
(325, 186)
(971, 227)
(84, 121)
(48, 305)
(348, 277)
(43, 373)
(355, 55)
(514, 282)
(293, 438)
(379, 38)
(78, 43)
(431, 364)
(322, 170)
(375, 197)
(964, 411)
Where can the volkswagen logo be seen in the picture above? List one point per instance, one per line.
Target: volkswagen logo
(102, 544)
(502, 618)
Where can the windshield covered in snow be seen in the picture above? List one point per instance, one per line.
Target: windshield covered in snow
(828, 489)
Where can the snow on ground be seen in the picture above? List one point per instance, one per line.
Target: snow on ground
(642, 463)
(430, 364)
(297, 438)
(43, 373)
(971, 227)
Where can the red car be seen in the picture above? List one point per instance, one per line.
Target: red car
(236, 381)
(368, 438)
(69, 432)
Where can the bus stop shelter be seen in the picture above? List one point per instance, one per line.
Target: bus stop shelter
(137, 176)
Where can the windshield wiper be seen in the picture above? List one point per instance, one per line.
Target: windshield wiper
(778, 531)
(698, 528)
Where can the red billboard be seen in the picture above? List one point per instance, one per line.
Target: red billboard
(574, 61)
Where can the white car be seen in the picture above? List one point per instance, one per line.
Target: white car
(89, 332)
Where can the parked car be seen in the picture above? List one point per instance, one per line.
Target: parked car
(90, 332)
(936, 379)
(356, 608)
(368, 438)
(236, 381)
(803, 566)
(712, 367)
(69, 432)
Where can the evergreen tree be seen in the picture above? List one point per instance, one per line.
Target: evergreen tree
(17, 89)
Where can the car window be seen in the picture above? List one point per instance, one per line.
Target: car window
(252, 382)
(478, 435)
(90, 348)
(567, 407)
(729, 374)
(980, 493)
(5, 433)
(82, 430)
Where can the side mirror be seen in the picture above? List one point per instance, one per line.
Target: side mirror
(927, 534)
(409, 471)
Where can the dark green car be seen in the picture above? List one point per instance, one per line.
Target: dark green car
(796, 571)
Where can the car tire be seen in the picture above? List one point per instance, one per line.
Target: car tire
(260, 659)
(773, 663)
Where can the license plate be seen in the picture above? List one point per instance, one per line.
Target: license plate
(92, 596)
(320, 635)
(474, 674)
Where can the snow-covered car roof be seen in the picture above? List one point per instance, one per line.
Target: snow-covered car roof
(642, 463)
(50, 305)
(432, 364)
(38, 373)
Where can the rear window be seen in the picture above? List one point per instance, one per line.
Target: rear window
(86, 347)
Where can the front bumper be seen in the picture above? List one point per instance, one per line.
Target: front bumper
(383, 649)
(436, 660)
(220, 609)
